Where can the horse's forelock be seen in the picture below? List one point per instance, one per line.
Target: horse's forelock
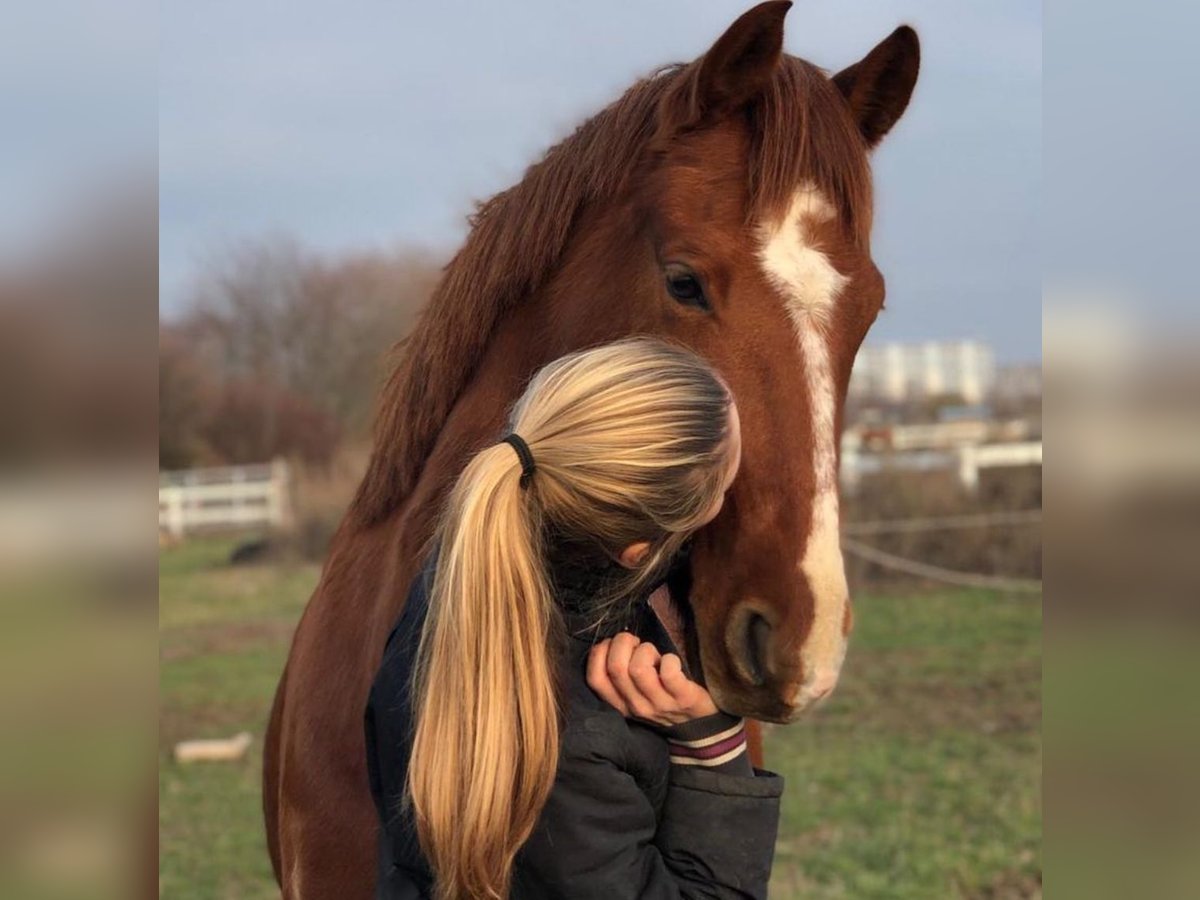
(803, 134)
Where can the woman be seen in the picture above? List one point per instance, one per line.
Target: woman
(531, 731)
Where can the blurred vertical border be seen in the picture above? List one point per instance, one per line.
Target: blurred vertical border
(78, 356)
(78, 339)
(1122, 491)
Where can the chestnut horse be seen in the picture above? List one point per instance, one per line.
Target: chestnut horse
(725, 204)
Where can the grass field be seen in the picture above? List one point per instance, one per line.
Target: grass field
(920, 778)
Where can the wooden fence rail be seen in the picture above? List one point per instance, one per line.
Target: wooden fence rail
(224, 499)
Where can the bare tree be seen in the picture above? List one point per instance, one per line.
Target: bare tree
(287, 334)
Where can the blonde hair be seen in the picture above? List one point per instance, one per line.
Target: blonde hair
(630, 443)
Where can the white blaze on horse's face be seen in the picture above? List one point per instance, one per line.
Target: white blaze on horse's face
(810, 286)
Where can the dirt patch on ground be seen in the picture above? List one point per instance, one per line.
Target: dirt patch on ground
(1013, 884)
(221, 638)
(175, 725)
(890, 691)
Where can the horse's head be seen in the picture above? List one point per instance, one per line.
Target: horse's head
(743, 232)
(726, 204)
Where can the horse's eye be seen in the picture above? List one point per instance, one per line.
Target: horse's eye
(684, 285)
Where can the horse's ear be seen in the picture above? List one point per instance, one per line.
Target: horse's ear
(878, 86)
(740, 64)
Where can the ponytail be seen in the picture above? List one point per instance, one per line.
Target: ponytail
(630, 441)
(485, 748)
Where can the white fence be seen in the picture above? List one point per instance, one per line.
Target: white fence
(224, 499)
(965, 462)
(992, 456)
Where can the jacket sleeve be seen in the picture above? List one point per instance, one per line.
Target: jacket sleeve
(717, 835)
(599, 838)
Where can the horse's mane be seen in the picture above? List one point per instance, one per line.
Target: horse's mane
(801, 132)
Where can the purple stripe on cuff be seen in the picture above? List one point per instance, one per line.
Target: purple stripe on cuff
(712, 750)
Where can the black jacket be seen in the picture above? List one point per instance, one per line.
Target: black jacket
(621, 820)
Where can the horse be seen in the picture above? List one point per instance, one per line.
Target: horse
(724, 204)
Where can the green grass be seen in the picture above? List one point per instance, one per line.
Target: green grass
(920, 778)
(224, 639)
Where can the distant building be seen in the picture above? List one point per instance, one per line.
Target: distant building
(899, 372)
(1019, 382)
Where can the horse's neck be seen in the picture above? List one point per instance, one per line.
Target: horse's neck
(540, 327)
(512, 355)
(529, 337)
(369, 569)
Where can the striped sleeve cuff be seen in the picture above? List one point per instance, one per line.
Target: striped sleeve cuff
(716, 742)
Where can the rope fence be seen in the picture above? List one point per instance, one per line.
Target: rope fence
(945, 523)
(941, 523)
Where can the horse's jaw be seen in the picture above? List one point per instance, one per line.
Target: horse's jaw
(745, 696)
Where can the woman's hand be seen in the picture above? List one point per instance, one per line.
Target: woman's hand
(639, 682)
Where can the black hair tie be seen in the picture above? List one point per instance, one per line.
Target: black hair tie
(528, 466)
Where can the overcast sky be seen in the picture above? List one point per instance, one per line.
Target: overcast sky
(371, 124)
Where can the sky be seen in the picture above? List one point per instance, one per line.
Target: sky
(366, 124)
(78, 112)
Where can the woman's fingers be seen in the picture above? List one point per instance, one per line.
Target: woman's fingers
(598, 680)
(620, 653)
(670, 670)
(693, 698)
(639, 682)
(644, 654)
(643, 670)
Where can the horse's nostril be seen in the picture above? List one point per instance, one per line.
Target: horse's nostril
(758, 639)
